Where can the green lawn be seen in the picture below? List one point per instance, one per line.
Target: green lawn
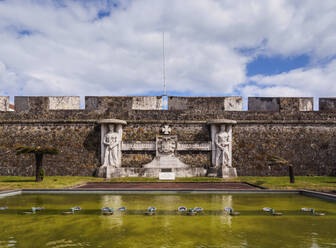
(304, 182)
(55, 182)
(301, 182)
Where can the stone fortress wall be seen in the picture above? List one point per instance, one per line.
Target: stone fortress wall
(282, 126)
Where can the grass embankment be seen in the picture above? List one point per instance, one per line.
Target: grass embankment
(302, 182)
(55, 182)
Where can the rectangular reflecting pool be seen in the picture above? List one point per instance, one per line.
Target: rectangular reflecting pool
(167, 228)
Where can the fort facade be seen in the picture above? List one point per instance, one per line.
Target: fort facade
(186, 134)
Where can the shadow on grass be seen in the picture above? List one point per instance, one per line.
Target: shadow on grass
(17, 181)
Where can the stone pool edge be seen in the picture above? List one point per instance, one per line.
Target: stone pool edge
(316, 194)
(10, 192)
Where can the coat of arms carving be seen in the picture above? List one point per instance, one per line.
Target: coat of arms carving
(165, 145)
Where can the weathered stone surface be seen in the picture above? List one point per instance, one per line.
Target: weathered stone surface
(295, 104)
(78, 146)
(122, 103)
(233, 103)
(310, 148)
(195, 159)
(146, 102)
(306, 104)
(263, 103)
(108, 103)
(285, 104)
(136, 159)
(31, 103)
(64, 102)
(44, 103)
(327, 104)
(4, 103)
(201, 104)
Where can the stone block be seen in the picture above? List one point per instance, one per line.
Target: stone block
(64, 102)
(264, 104)
(306, 104)
(327, 104)
(91, 102)
(283, 104)
(233, 103)
(178, 103)
(206, 104)
(111, 103)
(123, 103)
(295, 104)
(4, 103)
(147, 102)
(31, 103)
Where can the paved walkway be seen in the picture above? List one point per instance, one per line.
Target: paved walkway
(170, 186)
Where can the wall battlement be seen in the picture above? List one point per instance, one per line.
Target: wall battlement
(45, 103)
(285, 104)
(175, 103)
(4, 103)
(123, 103)
(200, 104)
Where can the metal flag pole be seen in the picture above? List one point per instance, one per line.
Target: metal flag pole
(164, 96)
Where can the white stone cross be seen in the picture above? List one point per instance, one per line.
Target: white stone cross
(166, 129)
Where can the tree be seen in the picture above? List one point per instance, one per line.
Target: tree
(38, 151)
(281, 161)
(276, 160)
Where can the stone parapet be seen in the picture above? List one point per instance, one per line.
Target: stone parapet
(45, 103)
(122, 103)
(64, 102)
(31, 103)
(4, 103)
(204, 104)
(282, 104)
(193, 107)
(327, 104)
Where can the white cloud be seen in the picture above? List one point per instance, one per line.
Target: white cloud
(317, 81)
(71, 52)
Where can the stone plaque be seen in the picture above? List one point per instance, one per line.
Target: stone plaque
(139, 146)
(205, 146)
(169, 146)
(167, 175)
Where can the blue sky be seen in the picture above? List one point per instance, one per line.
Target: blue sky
(275, 64)
(213, 47)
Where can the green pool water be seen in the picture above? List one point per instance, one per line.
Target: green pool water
(212, 228)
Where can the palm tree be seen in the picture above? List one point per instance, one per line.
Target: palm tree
(39, 152)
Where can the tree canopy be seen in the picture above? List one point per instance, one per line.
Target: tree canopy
(36, 150)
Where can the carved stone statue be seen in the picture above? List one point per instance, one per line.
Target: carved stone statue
(222, 141)
(112, 141)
